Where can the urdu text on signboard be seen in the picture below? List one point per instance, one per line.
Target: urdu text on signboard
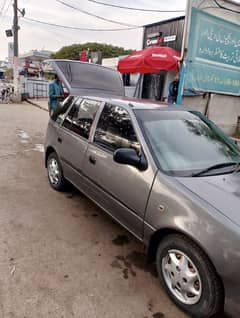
(213, 61)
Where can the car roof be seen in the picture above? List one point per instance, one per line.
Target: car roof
(136, 103)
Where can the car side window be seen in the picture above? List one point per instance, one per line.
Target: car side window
(81, 116)
(115, 129)
(69, 118)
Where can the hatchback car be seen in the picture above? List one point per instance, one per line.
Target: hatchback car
(167, 174)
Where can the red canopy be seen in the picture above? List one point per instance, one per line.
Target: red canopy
(150, 60)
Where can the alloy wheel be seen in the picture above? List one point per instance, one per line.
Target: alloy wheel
(53, 171)
(182, 277)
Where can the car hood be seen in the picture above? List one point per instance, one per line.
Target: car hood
(221, 192)
(81, 78)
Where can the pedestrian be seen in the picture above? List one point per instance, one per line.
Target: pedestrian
(55, 94)
(126, 79)
(173, 90)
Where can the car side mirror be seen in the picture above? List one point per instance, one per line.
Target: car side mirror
(129, 156)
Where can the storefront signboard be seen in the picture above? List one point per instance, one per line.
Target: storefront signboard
(213, 59)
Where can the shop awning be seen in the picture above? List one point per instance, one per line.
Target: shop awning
(150, 60)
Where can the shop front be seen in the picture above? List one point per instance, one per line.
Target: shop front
(164, 42)
(168, 33)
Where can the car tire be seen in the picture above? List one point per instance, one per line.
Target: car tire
(189, 277)
(55, 173)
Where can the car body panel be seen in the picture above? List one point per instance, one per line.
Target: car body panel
(133, 199)
(189, 214)
(221, 191)
(125, 184)
(117, 183)
(72, 152)
(51, 138)
(206, 209)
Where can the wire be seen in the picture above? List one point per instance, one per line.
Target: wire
(225, 8)
(2, 7)
(199, 5)
(131, 8)
(77, 28)
(2, 18)
(94, 15)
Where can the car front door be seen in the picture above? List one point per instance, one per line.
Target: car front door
(122, 190)
(73, 137)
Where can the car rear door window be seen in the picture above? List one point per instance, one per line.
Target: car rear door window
(69, 118)
(115, 129)
(59, 113)
(81, 116)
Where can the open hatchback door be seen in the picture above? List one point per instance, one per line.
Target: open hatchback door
(81, 78)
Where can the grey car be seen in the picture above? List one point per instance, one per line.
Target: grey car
(167, 174)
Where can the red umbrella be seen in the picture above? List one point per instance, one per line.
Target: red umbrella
(150, 60)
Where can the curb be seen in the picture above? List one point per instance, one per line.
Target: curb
(36, 105)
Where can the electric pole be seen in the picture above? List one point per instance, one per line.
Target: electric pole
(15, 50)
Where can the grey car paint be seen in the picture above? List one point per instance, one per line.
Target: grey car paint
(188, 211)
(128, 187)
(206, 209)
(72, 150)
(198, 207)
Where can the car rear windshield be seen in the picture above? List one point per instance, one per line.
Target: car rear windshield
(184, 143)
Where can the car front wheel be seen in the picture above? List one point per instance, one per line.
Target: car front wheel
(189, 277)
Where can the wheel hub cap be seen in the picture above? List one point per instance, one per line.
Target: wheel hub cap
(53, 171)
(182, 277)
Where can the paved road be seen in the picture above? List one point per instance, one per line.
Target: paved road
(60, 255)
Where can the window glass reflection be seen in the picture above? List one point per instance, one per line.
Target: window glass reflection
(115, 129)
(81, 117)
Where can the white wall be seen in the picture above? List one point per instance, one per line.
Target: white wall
(36, 88)
(110, 62)
(224, 110)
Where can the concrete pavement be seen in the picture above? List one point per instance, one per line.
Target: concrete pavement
(61, 256)
(41, 103)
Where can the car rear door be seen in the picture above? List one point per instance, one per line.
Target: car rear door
(122, 190)
(73, 137)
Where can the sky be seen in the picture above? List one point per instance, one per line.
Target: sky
(37, 36)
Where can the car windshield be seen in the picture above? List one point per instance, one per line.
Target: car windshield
(186, 143)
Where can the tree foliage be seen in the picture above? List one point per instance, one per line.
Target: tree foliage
(72, 52)
(9, 72)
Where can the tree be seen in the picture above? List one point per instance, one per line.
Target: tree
(72, 52)
(9, 73)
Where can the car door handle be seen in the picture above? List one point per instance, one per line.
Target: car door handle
(92, 160)
(59, 140)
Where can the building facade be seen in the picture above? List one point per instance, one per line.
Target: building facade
(31, 63)
(164, 33)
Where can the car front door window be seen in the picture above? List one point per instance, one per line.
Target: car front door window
(115, 129)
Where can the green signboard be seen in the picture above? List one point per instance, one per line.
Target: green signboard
(213, 60)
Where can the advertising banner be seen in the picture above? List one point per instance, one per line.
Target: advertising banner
(83, 56)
